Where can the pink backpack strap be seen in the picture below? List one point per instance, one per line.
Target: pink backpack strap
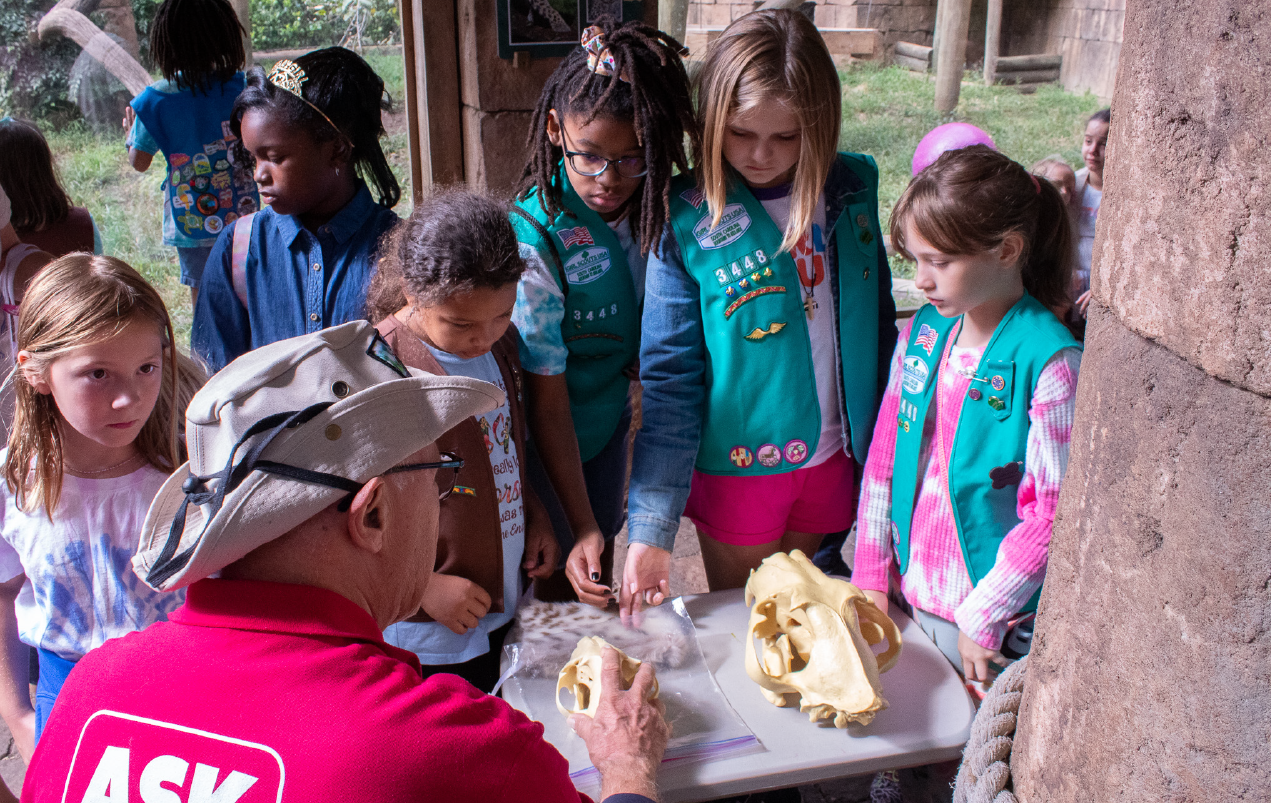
(238, 256)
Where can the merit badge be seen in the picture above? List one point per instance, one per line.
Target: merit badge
(759, 334)
(974, 394)
(796, 451)
(213, 224)
(1009, 474)
(997, 383)
(587, 265)
(207, 204)
(997, 403)
(221, 180)
(192, 222)
(734, 221)
(201, 164)
(380, 351)
(178, 159)
(246, 206)
(221, 164)
(213, 147)
(863, 221)
(227, 198)
(200, 183)
(914, 375)
(744, 284)
(187, 172)
(769, 455)
(463, 490)
(740, 456)
(230, 217)
(730, 291)
(866, 237)
(926, 338)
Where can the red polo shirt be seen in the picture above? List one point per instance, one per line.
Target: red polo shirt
(271, 692)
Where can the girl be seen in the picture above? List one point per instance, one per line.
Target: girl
(19, 263)
(1088, 190)
(443, 296)
(43, 215)
(198, 46)
(959, 494)
(312, 129)
(769, 319)
(609, 128)
(94, 437)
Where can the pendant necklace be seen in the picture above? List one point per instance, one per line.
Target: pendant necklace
(85, 472)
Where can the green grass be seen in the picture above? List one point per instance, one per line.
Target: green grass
(887, 111)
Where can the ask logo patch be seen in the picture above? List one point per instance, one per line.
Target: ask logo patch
(123, 758)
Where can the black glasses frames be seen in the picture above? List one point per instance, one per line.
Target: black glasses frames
(447, 472)
(586, 164)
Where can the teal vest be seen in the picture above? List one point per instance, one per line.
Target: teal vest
(762, 415)
(987, 458)
(601, 328)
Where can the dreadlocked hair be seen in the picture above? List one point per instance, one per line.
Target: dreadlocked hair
(349, 92)
(648, 87)
(197, 43)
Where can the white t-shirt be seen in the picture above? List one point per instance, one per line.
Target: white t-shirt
(435, 643)
(814, 274)
(1090, 208)
(80, 588)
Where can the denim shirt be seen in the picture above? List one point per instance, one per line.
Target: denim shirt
(298, 281)
(673, 375)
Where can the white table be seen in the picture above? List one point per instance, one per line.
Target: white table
(927, 720)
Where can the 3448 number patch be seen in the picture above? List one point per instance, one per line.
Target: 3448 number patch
(596, 314)
(738, 268)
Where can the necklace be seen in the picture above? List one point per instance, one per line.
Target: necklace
(75, 470)
(808, 286)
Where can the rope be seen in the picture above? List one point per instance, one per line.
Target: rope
(985, 772)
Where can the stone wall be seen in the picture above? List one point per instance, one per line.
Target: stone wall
(1149, 678)
(1088, 33)
(898, 20)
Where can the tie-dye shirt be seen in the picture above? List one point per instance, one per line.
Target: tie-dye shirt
(80, 588)
(937, 579)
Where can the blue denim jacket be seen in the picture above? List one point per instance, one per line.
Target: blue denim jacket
(673, 369)
(298, 281)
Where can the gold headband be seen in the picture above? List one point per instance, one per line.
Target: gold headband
(290, 77)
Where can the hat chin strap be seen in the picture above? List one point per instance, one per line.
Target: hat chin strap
(231, 477)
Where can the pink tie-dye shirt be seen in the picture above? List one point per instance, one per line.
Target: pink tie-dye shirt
(937, 580)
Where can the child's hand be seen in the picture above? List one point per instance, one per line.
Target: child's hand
(879, 598)
(540, 558)
(976, 659)
(456, 602)
(583, 568)
(645, 579)
(1084, 301)
(129, 117)
(23, 731)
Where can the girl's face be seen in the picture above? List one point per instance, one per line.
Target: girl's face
(464, 324)
(762, 143)
(105, 391)
(1063, 179)
(295, 174)
(1093, 142)
(957, 284)
(607, 194)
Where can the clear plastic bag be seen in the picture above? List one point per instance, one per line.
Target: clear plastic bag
(704, 725)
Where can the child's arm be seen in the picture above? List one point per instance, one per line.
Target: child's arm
(15, 693)
(541, 552)
(138, 140)
(1022, 556)
(872, 559)
(222, 329)
(673, 365)
(456, 602)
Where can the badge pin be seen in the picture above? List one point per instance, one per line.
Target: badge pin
(759, 334)
(755, 277)
(974, 394)
(997, 403)
(768, 273)
(1009, 474)
(862, 220)
(997, 383)
(744, 284)
(730, 291)
(866, 237)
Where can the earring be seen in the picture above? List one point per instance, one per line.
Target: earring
(337, 171)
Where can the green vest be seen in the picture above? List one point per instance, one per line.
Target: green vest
(601, 327)
(762, 415)
(987, 458)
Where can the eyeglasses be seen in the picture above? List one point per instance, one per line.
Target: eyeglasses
(447, 472)
(588, 164)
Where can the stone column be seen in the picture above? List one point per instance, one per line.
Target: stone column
(1149, 679)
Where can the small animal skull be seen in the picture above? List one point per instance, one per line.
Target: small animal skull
(814, 637)
(582, 675)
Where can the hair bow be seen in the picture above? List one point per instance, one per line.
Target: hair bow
(599, 58)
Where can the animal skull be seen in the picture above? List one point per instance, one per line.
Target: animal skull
(582, 675)
(815, 634)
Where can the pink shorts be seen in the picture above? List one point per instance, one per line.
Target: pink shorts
(746, 511)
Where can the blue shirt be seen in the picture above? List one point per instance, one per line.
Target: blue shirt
(298, 281)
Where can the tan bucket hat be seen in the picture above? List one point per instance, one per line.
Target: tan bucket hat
(285, 431)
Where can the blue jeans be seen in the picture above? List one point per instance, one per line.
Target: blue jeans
(53, 672)
(192, 261)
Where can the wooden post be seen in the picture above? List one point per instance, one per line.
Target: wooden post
(673, 16)
(993, 33)
(243, 9)
(435, 134)
(952, 53)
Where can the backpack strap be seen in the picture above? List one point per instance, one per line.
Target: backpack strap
(546, 236)
(238, 256)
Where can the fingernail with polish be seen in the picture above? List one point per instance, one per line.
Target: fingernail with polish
(596, 576)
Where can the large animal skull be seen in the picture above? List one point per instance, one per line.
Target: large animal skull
(582, 675)
(815, 634)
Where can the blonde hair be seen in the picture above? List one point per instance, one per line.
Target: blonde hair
(772, 53)
(77, 300)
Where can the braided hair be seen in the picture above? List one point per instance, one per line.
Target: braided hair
(349, 93)
(652, 92)
(197, 43)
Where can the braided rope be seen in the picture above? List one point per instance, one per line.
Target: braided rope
(985, 773)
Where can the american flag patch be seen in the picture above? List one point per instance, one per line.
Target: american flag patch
(692, 196)
(578, 235)
(926, 338)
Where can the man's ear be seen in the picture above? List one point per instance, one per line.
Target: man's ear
(368, 516)
(554, 128)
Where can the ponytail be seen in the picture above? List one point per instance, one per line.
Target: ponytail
(1048, 267)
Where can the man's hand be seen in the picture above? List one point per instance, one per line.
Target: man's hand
(627, 738)
(645, 579)
(976, 659)
(540, 558)
(583, 568)
(1084, 301)
(456, 602)
(879, 598)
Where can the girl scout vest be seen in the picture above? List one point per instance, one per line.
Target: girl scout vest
(762, 415)
(987, 458)
(205, 189)
(601, 327)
